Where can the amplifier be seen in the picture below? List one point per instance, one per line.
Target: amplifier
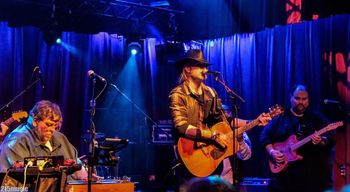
(162, 134)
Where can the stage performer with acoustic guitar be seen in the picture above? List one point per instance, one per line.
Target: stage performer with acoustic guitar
(196, 109)
(299, 147)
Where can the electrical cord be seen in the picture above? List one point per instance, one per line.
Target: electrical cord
(41, 167)
(29, 164)
(99, 94)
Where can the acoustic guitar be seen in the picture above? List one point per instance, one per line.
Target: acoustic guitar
(201, 158)
(289, 147)
(16, 116)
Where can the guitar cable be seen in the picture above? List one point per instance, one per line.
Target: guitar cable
(29, 164)
(41, 167)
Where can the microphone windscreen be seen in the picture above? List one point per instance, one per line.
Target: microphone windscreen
(91, 73)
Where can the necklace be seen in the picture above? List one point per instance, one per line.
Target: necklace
(295, 114)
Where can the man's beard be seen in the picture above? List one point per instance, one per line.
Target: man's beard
(300, 108)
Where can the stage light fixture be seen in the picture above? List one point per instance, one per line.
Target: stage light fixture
(134, 48)
(52, 37)
(133, 51)
(58, 40)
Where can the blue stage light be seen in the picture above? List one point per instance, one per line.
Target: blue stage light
(134, 48)
(58, 41)
(133, 51)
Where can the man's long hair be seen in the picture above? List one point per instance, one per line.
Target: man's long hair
(183, 77)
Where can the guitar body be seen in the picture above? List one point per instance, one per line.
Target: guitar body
(202, 159)
(289, 154)
(290, 146)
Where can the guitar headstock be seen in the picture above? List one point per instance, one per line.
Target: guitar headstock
(334, 125)
(275, 110)
(17, 116)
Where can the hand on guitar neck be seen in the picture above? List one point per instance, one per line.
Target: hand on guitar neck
(318, 140)
(264, 118)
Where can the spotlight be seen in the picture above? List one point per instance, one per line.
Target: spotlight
(134, 48)
(133, 51)
(58, 40)
(52, 36)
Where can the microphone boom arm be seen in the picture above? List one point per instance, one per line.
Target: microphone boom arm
(20, 94)
(229, 90)
(135, 105)
(139, 109)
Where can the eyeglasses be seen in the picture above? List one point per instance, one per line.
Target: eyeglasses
(50, 124)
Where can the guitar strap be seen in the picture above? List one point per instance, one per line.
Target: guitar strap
(214, 107)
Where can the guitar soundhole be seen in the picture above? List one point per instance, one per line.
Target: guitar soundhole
(216, 153)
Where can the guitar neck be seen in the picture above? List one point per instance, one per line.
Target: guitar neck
(8, 121)
(308, 138)
(248, 126)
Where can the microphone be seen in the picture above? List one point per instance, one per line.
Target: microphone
(330, 101)
(214, 72)
(38, 72)
(36, 68)
(117, 140)
(92, 74)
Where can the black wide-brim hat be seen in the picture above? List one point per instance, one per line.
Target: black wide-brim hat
(193, 57)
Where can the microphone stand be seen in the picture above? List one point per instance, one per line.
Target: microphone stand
(234, 110)
(229, 90)
(92, 132)
(235, 165)
(20, 94)
(92, 141)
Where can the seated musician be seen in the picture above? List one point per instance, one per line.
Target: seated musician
(40, 136)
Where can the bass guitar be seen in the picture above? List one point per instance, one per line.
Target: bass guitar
(201, 158)
(289, 147)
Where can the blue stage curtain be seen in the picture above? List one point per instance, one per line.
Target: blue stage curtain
(261, 67)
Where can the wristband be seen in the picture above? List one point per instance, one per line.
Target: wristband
(198, 134)
(206, 134)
